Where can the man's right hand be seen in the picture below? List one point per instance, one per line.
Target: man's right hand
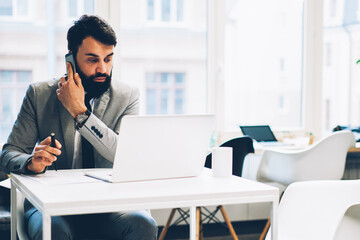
(71, 93)
(44, 155)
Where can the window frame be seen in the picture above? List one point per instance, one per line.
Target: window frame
(312, 110)
(15, 17)
(172, 86)
(79, 9)
(158, 22)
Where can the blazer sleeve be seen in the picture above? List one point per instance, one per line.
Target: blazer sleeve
(103, 138)
(23, 137)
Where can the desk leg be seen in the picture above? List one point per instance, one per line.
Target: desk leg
(46, 226)
(13, 209)
(274, 220)
(192, 224)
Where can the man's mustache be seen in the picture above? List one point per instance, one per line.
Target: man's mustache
(99, 75)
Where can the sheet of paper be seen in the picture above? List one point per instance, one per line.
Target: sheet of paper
(60, 177)
(5, 183)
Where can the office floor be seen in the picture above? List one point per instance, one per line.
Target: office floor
(241, 237)
(246, 230)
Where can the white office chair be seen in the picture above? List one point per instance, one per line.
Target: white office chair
(324, 160)
(349, 228)
(314, 210)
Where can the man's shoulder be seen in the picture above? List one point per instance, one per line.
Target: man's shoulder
(121, 88)
(45, 85)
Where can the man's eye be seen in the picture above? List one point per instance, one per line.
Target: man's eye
(93, 60)
(107, 60)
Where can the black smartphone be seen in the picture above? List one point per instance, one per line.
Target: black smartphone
(69, 57)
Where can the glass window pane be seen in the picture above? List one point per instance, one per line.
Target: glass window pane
(165, 78)
(150, 10)
(341, 74)
(7, 77)
(180, 10)
(158, 57)
(5, 128)
(179, 78)
(89, 7)
(6, 8)
(165, 10)
(151, 78)
(22, 7)
(20, 43)
(151, 101)
(72, 8)
(8, 108)
(179, 101)
(164, 100)
(24, 77)
(254, 81)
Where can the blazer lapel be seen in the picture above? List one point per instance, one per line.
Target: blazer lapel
(101, 104)
(68, 129)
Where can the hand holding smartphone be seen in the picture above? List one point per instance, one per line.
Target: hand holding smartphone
(69, 57)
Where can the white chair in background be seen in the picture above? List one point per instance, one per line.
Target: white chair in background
(324, 160)
(314, 210)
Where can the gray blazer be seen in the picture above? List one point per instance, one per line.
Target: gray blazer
(42, 113)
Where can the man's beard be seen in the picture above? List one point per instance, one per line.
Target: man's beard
(95, 89)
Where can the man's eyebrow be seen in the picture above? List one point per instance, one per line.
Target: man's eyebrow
(94, 55)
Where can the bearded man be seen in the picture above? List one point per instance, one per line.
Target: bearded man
(84, 110)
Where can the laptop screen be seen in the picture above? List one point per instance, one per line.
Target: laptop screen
(261, 133)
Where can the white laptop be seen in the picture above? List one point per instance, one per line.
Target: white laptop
(159, 147)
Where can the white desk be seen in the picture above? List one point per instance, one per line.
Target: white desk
(88, 195)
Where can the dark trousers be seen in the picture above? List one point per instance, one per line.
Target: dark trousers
(123, 225)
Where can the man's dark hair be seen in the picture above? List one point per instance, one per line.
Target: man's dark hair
(90, 26)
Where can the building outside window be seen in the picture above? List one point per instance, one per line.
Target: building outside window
(28, 49)
(13, 85)
(341, 74)
(165, 93)
(259, 90)
(165, 11)
(78, 7)
(14, 8)
(166, 62)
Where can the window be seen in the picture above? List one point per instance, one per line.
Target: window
(282, 64)
(37, 46)
(167, 64)
(328, 56)
(13, 85)
(165, 93)
(79, 7)
(332, 8)
(341, 74)
(14, 8)
(263, 63)
(165, 11)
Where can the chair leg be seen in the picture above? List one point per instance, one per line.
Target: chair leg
(201, 225)
(163, 232)
(228, 223)
(265, 230)
(198, 224)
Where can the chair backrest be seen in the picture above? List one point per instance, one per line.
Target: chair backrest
(349, 228)
(241, 147)
(324, 160)
(313, 210)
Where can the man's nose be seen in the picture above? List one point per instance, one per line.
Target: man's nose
(101, 67)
